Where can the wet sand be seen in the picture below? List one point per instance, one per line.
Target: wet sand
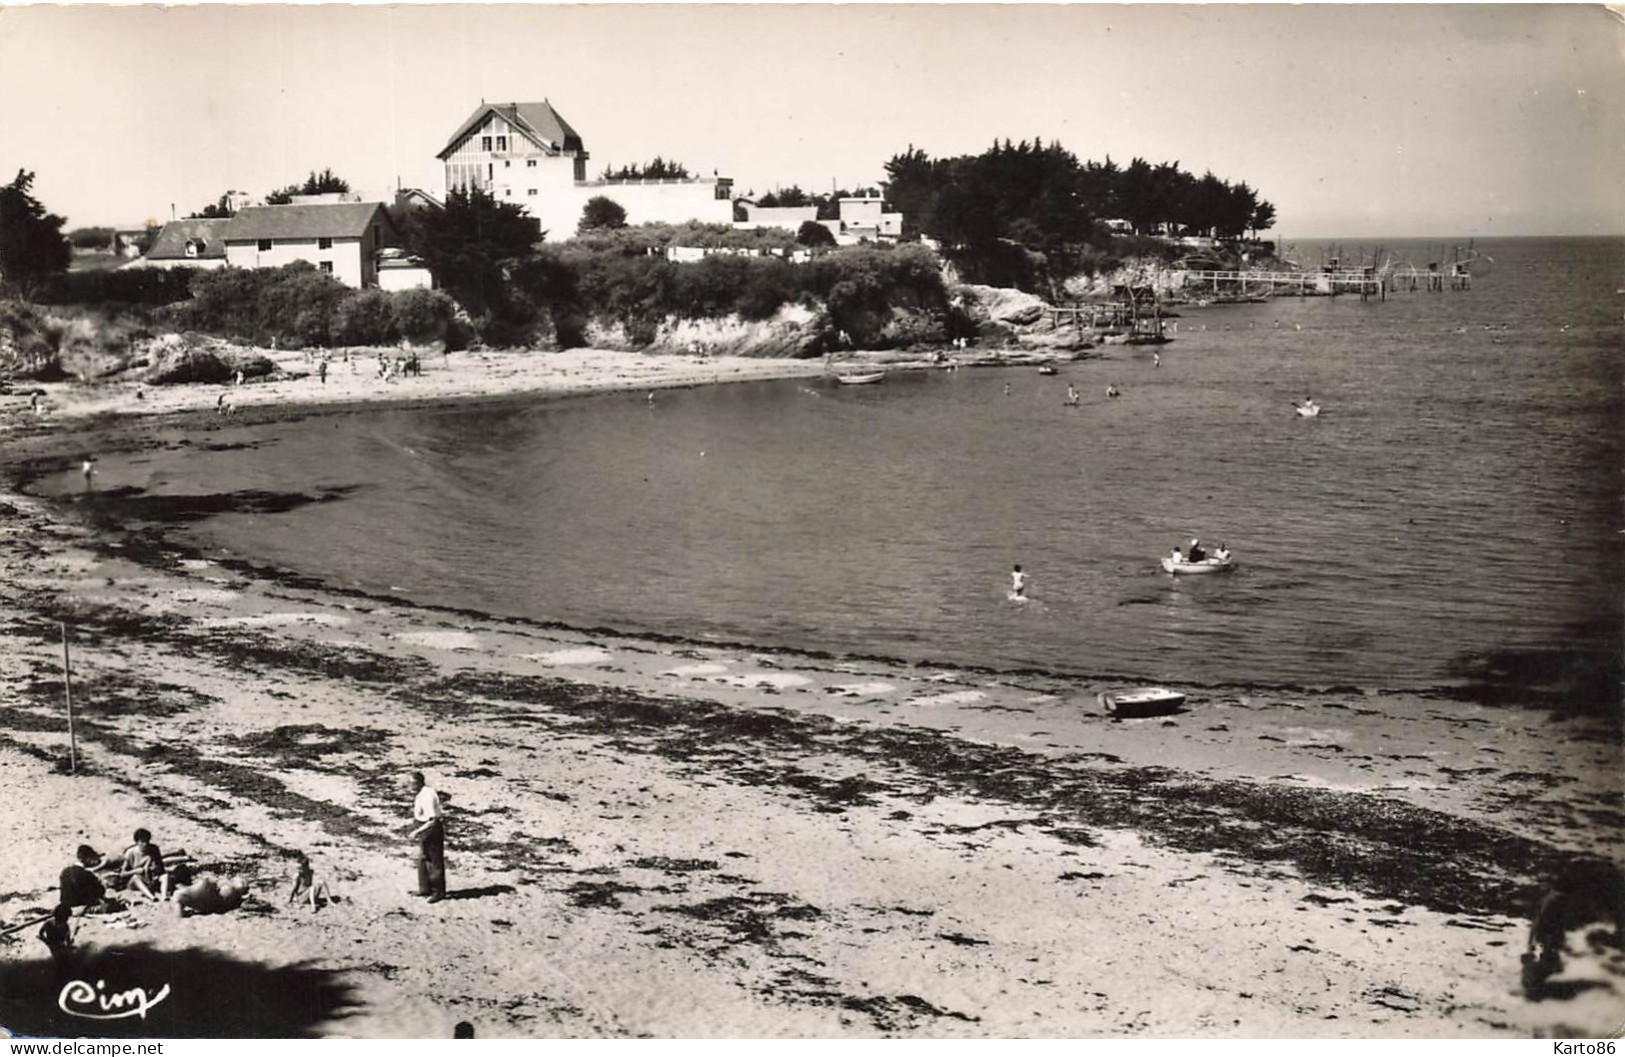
(668, 838)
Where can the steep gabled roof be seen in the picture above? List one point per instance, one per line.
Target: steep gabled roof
(171, 241)
(338, 220)
(537, 122)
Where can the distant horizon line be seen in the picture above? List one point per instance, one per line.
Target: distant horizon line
(1458, 237)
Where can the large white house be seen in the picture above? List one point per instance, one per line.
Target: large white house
(527, 155)
(342, 238)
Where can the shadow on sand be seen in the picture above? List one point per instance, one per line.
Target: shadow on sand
(211, 995)
(480, 893)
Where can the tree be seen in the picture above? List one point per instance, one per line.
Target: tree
(91, 238)
(599, 213)
(473, 245)
(317, 183)
(814, 235)
(1263, 217)
(658, 169)
(31, 243)
(220, 209)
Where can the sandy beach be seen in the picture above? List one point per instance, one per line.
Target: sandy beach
(669, 838)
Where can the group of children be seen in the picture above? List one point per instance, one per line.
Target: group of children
(142, 871)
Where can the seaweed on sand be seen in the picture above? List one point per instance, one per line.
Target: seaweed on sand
(1385, 848)
(300, 744)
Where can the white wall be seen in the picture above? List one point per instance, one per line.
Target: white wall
(789, 218)
(404, 279)
(345, 255)
(558, 207)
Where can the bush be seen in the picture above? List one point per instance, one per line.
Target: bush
(366, 317)
(602, 212)
(422, 316)
(28, 342)
(294, 305)
(131, 286)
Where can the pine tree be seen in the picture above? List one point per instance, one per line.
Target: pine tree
(32, 245)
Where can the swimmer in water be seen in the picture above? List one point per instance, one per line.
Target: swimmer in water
(1071, 396)
(1018, 584)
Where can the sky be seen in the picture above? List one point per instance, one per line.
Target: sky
(1362, 120)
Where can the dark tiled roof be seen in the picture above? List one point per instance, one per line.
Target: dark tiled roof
(538, 122)
(339, 220)
(171, 241)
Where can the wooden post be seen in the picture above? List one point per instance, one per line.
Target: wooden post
(67, 693)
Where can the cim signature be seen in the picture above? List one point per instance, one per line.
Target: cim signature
(79, 999)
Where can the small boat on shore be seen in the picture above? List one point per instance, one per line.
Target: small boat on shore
(1048, 369)
(860, 379)
(1145, 701)
(1206, 565)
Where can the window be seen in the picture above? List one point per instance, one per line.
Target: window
(531, 191)
(530, 164)
(485, 143)
(265, 244)
(324, 243)
(502, 143)
(490, 171)
(507, 165)
(507, 192)
(327, 266)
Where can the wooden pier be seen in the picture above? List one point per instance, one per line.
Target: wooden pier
(1367, 282)
(1136, 316)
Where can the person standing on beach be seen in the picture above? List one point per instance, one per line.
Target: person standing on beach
(88, 469)
(431, 837)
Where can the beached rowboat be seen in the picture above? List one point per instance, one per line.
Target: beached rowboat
(1146, 701)
(1206, 565)
(860, 379)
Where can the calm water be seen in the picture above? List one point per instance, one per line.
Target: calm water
(1459, 496)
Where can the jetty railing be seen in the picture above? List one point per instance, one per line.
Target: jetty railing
(1366, 282)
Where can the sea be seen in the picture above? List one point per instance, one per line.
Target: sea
(1454, 512)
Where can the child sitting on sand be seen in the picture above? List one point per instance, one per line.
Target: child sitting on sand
(305, 883)
(142, 867)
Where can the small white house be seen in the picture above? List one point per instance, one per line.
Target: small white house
(864, 219)
(398, 270)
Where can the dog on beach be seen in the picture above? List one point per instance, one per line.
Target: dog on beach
(1585, 891)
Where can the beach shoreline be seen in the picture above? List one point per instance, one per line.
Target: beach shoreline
(721, 839)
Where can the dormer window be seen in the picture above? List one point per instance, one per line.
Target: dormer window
(194, 247)
(324, 243)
